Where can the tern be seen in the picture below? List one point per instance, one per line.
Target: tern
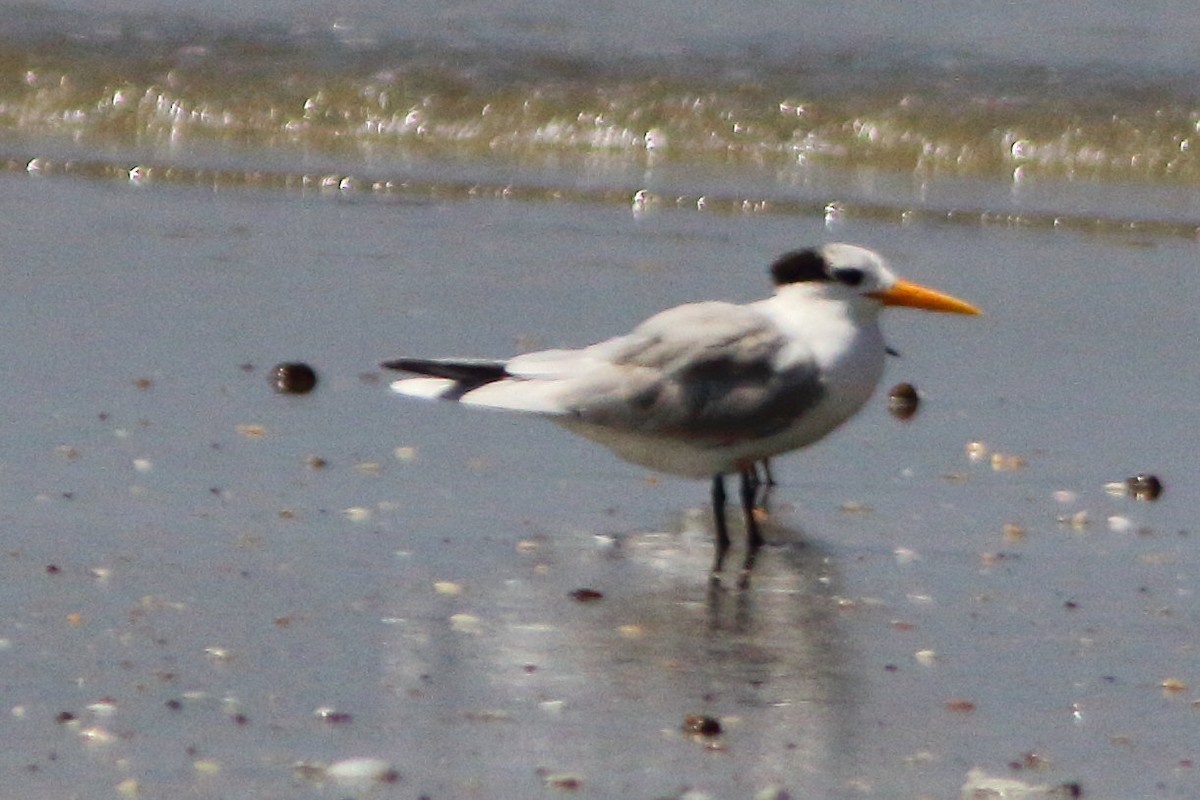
(711, 388)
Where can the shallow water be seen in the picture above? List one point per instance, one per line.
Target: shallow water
(547, 94)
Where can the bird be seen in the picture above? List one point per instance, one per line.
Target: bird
(710, 388)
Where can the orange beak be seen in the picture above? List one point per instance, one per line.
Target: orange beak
(913, 295)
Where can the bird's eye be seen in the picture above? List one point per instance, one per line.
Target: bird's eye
(850, 276)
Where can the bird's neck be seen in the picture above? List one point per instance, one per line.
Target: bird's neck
(825, 319)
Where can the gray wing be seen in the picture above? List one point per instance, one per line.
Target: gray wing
(712, 371)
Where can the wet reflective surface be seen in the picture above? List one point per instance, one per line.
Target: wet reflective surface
(207, 583)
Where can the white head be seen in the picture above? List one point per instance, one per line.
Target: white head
(848, 271)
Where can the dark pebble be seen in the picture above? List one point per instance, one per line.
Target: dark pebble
(701, 725)
(1144, 487)
(903, 401)
(293, 378)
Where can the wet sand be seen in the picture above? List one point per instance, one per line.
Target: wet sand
(185, 588)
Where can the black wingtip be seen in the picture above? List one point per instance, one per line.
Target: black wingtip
(400, 364)
(471, 372)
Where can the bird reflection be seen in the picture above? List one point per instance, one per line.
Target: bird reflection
(584, 686)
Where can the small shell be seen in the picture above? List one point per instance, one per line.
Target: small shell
(360, 771)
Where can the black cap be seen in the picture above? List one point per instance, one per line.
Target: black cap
(799, 266)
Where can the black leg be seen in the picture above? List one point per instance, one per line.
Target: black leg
(718, 502)
(753, 535)
(770, 479)
(764, 482)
